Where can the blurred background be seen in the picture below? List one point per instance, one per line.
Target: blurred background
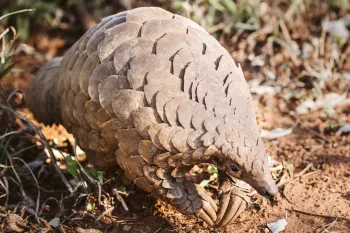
(296, 59)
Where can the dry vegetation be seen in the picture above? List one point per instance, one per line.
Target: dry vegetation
(296, 58)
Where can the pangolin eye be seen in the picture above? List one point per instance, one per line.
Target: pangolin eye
(234, 168)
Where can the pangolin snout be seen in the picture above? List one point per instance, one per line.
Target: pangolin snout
(264, 184)
(269, 189)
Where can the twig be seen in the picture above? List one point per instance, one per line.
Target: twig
(284, 181)
(289, 40)
(104, 213)
(159, 229)
(91, 179)
(315, 214)
(327, 226)
(16, 12)
(9, 133)
(120, 199)
(6, 187)
(4, 33)
(323, 36)
(24, 149)
(36, 181)
(59, 204)
(305, 175)
(291, 10)
(216, 28)
(20, 185)
(310, 165)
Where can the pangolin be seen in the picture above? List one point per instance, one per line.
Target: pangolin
(153, 93)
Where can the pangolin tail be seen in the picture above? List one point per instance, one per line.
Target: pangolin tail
(41, 96)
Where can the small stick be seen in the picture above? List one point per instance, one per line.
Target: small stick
(36, 181)
(104, 213)
(6, 187)
(91, 179)
(323, 36)
(120, 199)
(20, 184)
(289, 40)
(301, 174)
(315, 214)
(16, 12)
(327, 226)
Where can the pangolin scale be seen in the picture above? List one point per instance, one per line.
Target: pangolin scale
(153, 93)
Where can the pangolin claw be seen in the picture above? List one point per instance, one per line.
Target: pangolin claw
(204, 216)
(208, 211)
(233, 201)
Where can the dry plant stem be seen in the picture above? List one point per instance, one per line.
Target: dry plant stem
(310, 165)
(4, 33)
(104, 213)
(5, 185)
(36, 181)
(216, 28)
(305, 175)
(44, 141)
(16, 12)
(315, 214)
(24, 149)
(20, 185)
(289, 40)
(324, 228)
(120, 199)
(7, 30)
(302, 173)
(58, 204)
(8, 134)
(92, 180)
(323, 37)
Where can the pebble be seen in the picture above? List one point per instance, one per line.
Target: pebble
(126, 228)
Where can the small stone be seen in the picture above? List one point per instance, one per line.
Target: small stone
(126, 228)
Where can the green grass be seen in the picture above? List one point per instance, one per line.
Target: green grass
(224, 15)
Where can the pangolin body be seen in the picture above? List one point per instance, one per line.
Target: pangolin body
(154, 93)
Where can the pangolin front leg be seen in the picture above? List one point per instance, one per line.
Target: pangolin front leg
(234, 199)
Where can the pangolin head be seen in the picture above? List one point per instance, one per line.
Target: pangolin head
(249, 165)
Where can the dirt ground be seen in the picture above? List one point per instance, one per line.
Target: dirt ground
(311, 163)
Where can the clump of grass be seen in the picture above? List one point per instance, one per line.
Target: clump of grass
(340, 4)
(225, 15)
(44, 14)
(47, 14)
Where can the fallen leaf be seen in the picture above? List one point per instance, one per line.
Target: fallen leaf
(275, 133)
(55, 222)
(278, 226)
(339, 27)
(330, 100)
(343, 130)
